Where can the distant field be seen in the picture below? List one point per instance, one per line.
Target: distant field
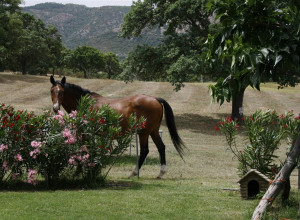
(191, 190)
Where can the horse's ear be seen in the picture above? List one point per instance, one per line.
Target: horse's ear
(52, 80)
(63, 81)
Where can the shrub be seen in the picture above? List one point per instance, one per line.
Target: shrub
(265, 131)
(17, 128)
(87, 140)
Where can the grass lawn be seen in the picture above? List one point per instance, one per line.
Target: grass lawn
(191, 189)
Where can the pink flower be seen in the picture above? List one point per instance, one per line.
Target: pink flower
(18, 157)
(84, 148)
(71, 140)
(61, 113)
(5, 166)
(34, 153)
(3, 147)
(85, 121)
(85, 157)
(72, 160)
(66, 133)
(32, 177)
(73, 114)
(60, 119)
(36, 144)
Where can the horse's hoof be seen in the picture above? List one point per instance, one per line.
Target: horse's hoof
(159, 177)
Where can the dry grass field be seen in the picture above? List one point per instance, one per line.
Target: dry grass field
(207, 165)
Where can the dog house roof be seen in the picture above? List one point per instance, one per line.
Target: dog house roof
(254, 171)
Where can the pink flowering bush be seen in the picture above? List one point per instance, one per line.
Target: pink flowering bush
(17, 128)
(265, 131)
(86, 141)
(99, 139)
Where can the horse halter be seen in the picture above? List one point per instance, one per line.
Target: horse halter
(57, 92)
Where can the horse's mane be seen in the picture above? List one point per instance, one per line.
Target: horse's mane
(77, 88)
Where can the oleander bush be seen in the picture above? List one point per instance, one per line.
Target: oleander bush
(86, 141)
(264, 131)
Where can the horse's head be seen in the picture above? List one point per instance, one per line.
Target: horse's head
(57, 92)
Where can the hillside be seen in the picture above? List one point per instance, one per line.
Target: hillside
(98, 27)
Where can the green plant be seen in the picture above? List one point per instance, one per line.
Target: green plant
(87, 140)
(17, 128)
(265, 132)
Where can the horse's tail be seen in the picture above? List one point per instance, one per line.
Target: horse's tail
(178, 143)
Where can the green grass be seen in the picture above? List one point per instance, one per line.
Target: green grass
(145, 199)
(190, 190)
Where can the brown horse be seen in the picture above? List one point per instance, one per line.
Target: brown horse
(68, 95)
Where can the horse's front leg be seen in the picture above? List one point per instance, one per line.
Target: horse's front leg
(144, 152)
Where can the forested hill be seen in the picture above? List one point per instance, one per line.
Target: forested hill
(97, 27)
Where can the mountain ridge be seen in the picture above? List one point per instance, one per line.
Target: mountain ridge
(98, 27)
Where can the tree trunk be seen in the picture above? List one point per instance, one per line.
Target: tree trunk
(23, 64)
(279, 181)
(286, 190)
(299, 211)
(237, 105)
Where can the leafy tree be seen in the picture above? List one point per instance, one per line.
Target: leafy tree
(258, 41)
(9, 28)
(185, 24)
(88, 59)
(31, 44)
(53, 40)
(145, 63)
(112, 65)
(35, 47)
(64, 60)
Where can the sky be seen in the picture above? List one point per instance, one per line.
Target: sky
(88, 3)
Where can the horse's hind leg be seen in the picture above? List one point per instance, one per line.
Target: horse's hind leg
(162, 152)
(143, 154)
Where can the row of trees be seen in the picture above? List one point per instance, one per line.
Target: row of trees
(90, 61)
(29, 46)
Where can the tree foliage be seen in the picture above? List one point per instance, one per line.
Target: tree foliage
(258, 41)
(112, 65)
(185, 25)
(9, 26)
(88, 59)
(30, 45)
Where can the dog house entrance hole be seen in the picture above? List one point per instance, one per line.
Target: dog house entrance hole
(253, 188)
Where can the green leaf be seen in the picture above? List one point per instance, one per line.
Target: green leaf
(233, 62)
(278, 59)
(265, 52)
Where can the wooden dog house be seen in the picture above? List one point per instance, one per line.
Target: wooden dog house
(253, 183)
